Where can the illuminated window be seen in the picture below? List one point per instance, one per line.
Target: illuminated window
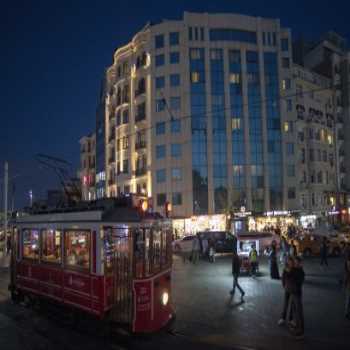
(235, 78)
(322, 135)
(77, 245)
(286, 84)
(235, 123)
(286, 126)
(51, 245)
(330, 139)
(194, 77)
(195, 54)
(31, 244)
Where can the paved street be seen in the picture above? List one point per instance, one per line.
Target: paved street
(206, 316)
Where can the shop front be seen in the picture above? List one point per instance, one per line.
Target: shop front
(272, 220)
(308, 221)
(194, 224)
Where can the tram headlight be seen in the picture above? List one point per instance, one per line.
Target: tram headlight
(165, 298)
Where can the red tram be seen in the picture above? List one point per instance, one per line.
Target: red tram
(113, 263)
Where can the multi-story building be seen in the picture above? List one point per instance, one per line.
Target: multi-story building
(315, 146)
(195, 113)
(87, 173)
(329, 58)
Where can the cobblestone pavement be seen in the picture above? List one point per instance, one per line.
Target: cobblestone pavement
(207, 318)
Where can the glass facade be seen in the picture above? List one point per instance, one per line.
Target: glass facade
(218, 129)
(237, 130)
(199, 132)
(274, 137)
(255, 131)
(229, 34)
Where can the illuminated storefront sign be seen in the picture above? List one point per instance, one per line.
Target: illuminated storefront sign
(278, 213)
(184, 227)
(307, 221)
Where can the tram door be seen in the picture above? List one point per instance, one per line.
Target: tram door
(122, 266)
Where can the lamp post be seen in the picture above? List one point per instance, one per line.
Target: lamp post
(6, 180)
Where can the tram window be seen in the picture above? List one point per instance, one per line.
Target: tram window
(108, 246)
(31, 244)
(157, 238)
(77, 249)
(148, 253)
(51, 246)
(139, 251)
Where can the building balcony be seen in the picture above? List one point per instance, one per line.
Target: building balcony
(140, 91)
(141, 61)
(111, 137)
(140, 144)
(140, 117)
(141, 171)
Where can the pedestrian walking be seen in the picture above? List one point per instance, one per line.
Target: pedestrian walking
(204, 247)
(274, 273)
(287, 283)
(236, 268)
(324, 252)
(253, 260)
(211, 250)
(284, 251)
(195, 250)
(8, 245)
(293, 249)
(347, 287)
(298, 275)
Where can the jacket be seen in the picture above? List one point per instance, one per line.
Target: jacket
(299, 278)
(253, 256)
(236, 265)
(288, 281)
(347, 275)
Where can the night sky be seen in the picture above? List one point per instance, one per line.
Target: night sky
(53, 54)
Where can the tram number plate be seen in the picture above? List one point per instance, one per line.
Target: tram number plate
(143, 296)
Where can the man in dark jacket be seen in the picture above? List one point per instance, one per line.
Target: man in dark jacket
(236, 267)
(324, 251)
(297, 295)
(288, 285)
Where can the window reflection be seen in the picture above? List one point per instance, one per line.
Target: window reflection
(31, 244)
(78, 248)
(51, 246)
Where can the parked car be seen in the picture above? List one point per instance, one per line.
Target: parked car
(223, 241)
(183, 245)
(311, 245)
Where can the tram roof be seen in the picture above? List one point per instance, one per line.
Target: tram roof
(118, 211)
